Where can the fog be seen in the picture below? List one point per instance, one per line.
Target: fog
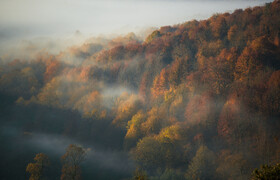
(55, 145)
(111, 16)
(77, 90)
(59, 21)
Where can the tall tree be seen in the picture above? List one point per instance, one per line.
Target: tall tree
(37, 168)
(72, 160)
(202, 165)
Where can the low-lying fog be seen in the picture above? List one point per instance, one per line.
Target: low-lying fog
(97, 159)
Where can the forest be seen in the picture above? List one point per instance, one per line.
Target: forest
(197, 100)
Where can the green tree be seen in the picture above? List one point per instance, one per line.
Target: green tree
(148, 152)
(37, 168)
(202, 165)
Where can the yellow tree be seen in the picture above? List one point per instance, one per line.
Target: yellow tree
(72, 160)
(37, 168)
(134, 132)
(160, 84)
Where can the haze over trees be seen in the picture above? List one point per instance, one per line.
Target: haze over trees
(198, 100)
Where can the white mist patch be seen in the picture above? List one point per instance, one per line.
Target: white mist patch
(49, 143)
(55, 144)
(115, 91)
(111, 93)
(27, 48)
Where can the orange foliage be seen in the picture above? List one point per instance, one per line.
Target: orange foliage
(160, 84)
(52, 68)
(271, 98)
(200, 109)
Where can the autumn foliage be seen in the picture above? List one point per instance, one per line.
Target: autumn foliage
(197, 100)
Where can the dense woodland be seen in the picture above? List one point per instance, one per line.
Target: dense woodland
(198, 100)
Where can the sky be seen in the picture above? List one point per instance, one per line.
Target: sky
(56, 17)
(25, 20)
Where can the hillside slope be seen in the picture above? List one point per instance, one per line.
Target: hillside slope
(199, 100)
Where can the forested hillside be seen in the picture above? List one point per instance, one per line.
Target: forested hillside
(198, 100)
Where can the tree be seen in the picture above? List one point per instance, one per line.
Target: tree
(178, 71)
(218, 71)
(258, 54)
(219, 26)
(154, 35)
(156, 120)
(72, 160)
(202, 165)
(233, 165)
(201, 110)
(271, 98)
(53, 66)
(140, 175)
(168, 174)
(37, 168)
(148, 153)
(232, 33)
(125, 107)
(160, 84)
(157, 152)
(267, 172)
(134, 129)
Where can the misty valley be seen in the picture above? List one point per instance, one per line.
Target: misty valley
(195, 100)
